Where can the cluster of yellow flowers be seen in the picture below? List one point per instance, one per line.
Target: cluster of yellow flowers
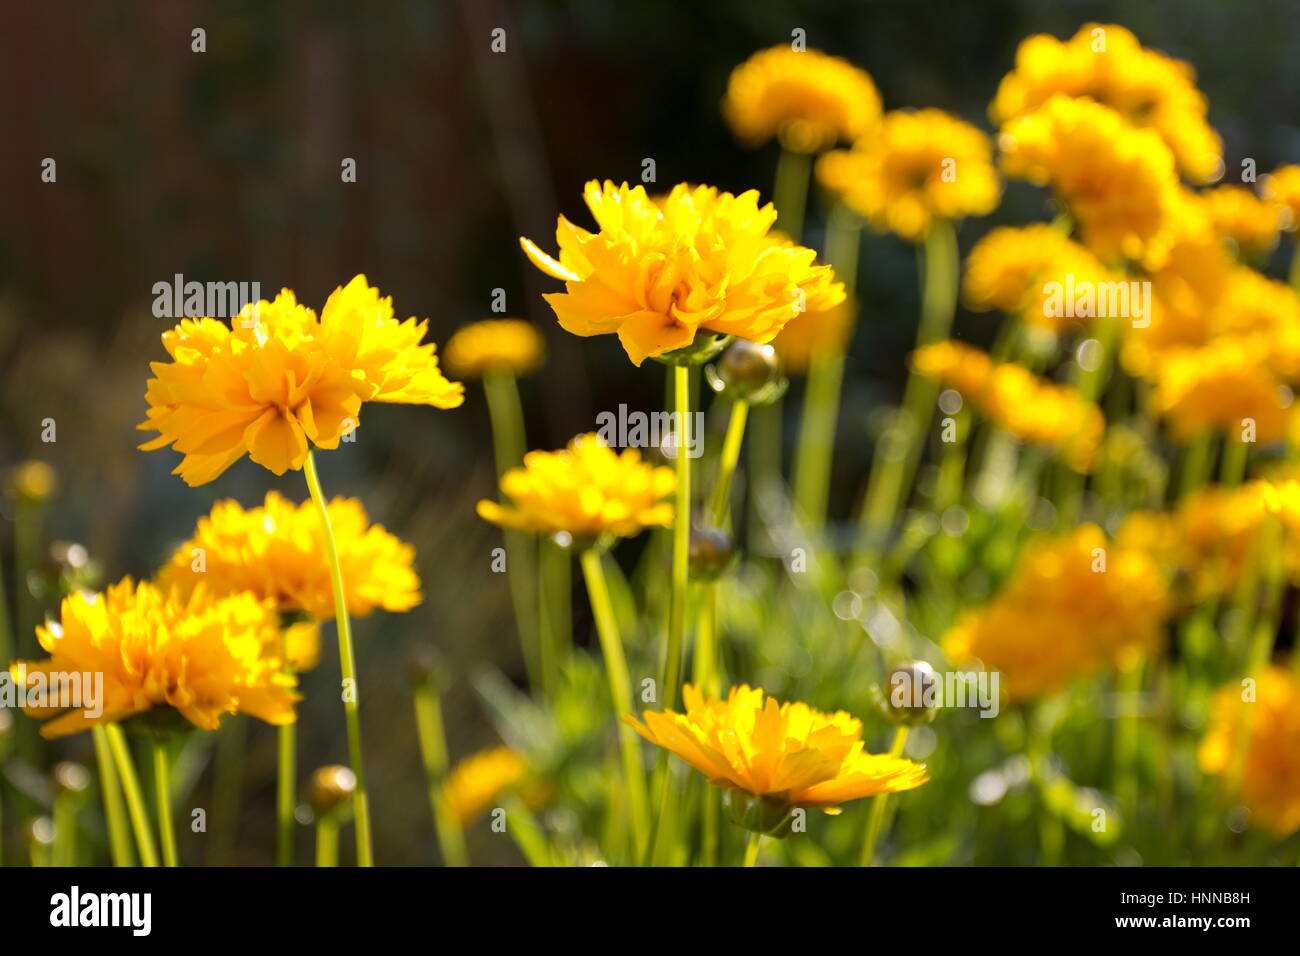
(1075, 605)
(1009, 395)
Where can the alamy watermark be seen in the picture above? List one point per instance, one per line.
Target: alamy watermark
(70, 690)
(635, 429)
(179, 299)
(1086, 299)
(977, 689)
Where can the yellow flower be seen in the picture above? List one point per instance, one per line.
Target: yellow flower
(200, 656)
(1117, 180)
(506, 345)
(1073, 606)
(815, 331)
(657, 272)
(806, 99)
(917, 167)
(1032, 409)
(479, 779)
(1256, 744)
(1107, 64)
(587, 490)
(1010, 267)
(277, 552)
(1213, 535)
(1282, 188)
(1227, 385)
(788, 755)
(278, 379)
(302, 645)
(32, 481)
(1250, 223)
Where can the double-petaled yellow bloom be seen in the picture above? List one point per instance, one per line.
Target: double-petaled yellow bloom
(1106, 63)
(479, 779)
(494, 345)
(915, 168)
(1240, 216)
(279, 380)
(1074, 605)
(1254, 746)
(277, 553)
(1117, 180)
(786, 755)
(806, 99)
(587, 490)
(200, 656)
(656, 273)
(1224, 386)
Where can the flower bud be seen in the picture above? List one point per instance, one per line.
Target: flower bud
(909, 693)
(330, 788)
(711, 552)
(748, 372)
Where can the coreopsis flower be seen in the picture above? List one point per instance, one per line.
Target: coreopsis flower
(1074, 605)
(656, 273)
(1106, 63)
(1227, 385)
(1253, 744)
(31, 481)
(814, 331)
(1010, 270)
(1282, 188)
(774, 756)
(479, 779)
(199, 656)
(1238, 215)
(587, 490)
(1117, 180)
(278, 380)
(505, 345)
(1034, 410)
(915, 168)
(276, 551)
(806, 99)
(1213, 533)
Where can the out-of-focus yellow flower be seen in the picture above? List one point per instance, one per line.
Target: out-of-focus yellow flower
(915, 168)
(302, 645)
(278, 380)
(786, 754)
(1032, 409)
(33, 481)
(200, 656)
(1118, 181)
(806, 99)
(495, 345)
(1214, 534)
(815, 331)
(277, 552)
(1227, 385)
(587, 490)
(1075, 605)
(658, 272)
(1254, 745)
(1282, 188)
(1107, 63)
(1010, 268)
(479, 779)
(1251, 223)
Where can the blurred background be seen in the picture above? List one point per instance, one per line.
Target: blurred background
(225, 166)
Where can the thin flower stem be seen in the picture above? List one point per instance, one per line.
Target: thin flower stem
(620, 689)
(719, 506)
(681, 542)
(1295, 266)
(163, 797)
(1197, 462)
(1232, 466)
(751, 849)
(347, 666)
(134, 798)
(1126, 737)
(556, 587)
(876, 818)
(433, 754)
(790, 191)
(119, 837)
(65, 830)
(327, 841)
(286, 749)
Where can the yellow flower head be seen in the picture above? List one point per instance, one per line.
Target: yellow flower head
(33, 481)
(200, 656)
(278, 379)
(1074, 605)
(1256, 743)
(817, 330)
(1106, 63)
(504, 345)
(787, 754)
(1214, 532)
(1251, 223)
(1118, 181)
(1227, 386)
(1011, 267)
(806, 99)
(917, 167)
(1282, 188)
(1034, 410)
(657, 272)
(587, 490)
(277, 553)
(479, 779)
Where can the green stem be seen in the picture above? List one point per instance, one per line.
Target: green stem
(1295, 265)
(1232, 466)
(719, 509)
(347, 666)
(286, 747)
(876, 819)
(119, 837)
(556, 574)
(65, 829)
(227, 785)
(163, 798)
(1126, 737)
(134, 798)
(790, 191)
(1196, 464)
(327, 841)
(681, 543)
(751, 849)
(433, 753)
